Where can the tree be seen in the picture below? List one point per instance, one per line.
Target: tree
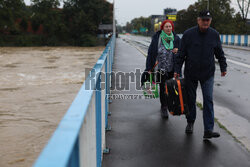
(240, 26)
(10, 11)
(186, 18)
(119, 29)
(46, 13)
(129, 27)
(138, 23)
(24, 24)
(83, 18)
(222, 13)
(75, 24)
(244, 8)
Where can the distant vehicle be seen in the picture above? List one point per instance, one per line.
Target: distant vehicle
(157, 26)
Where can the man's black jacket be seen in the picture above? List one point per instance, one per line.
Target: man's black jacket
(198, 50)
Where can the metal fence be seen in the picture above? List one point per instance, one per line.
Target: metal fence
(79, 140)
(240, 40)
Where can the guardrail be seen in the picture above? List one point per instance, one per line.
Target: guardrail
(240, 40)
(79, 140)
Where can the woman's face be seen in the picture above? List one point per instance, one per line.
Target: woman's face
(167, 28)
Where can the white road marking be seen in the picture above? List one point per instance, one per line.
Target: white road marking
(224, 115)
(238, 63)
(229, 60)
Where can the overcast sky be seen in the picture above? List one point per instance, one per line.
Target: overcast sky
(126, 10)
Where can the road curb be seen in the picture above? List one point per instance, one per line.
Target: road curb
(223, 123)
(231, 47)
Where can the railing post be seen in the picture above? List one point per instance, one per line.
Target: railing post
(110, 65)
(107, 90)
(246, 40)
(80, 137)
(75, 161)
(98, 105)
(239, 40)
(232, 40)
(227, 39)
(108, 85)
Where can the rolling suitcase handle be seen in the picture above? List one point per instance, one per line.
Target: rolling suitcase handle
(180, 96)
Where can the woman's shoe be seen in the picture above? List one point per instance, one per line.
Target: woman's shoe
(164, 112)
(189, 128)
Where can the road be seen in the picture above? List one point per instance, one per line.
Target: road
(231, 93)
(140, 137)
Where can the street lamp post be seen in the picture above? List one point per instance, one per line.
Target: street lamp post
(114, 27)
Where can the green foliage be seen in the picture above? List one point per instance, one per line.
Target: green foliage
(10, 11)
(35, 22)
(87, 40)
(84, 18)
(24, 24)
(128, 27)
(74, 24)
(224, 20)
(22, 40)
(138, 23)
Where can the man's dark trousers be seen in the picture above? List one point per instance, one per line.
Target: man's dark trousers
(208, 110)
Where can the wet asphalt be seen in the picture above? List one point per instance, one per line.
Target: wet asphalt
(140, 137)
(231, 92)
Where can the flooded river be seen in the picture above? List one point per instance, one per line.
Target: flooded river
(37, 86)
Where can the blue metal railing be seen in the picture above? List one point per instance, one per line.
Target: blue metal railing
(79, 140)
(240, 40)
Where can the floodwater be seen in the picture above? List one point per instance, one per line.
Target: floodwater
(37, 86)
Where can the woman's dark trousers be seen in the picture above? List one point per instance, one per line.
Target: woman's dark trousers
(162, 79)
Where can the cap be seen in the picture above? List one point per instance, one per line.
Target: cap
(205, 14)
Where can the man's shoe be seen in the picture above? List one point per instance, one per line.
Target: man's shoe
(189, 128)
(164, 112)
(210, 134)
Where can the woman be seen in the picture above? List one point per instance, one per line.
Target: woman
(163, 49)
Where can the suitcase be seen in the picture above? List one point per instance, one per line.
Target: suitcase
(176, 96)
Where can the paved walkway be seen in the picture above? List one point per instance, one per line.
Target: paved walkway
(246, 48)
(140, 138)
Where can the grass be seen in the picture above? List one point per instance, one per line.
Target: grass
(200, 106)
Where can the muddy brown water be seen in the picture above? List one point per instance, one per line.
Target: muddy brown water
(37, 86)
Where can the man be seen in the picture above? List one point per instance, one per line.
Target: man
(199, 44)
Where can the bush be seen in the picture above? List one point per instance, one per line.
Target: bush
(41, 40)
(52, 41)
(24, 24)
(87, 40)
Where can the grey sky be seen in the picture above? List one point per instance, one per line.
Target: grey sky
(126, 10)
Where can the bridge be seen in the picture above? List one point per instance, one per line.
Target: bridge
(112, 126)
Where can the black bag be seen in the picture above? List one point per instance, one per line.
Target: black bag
(176, 96)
